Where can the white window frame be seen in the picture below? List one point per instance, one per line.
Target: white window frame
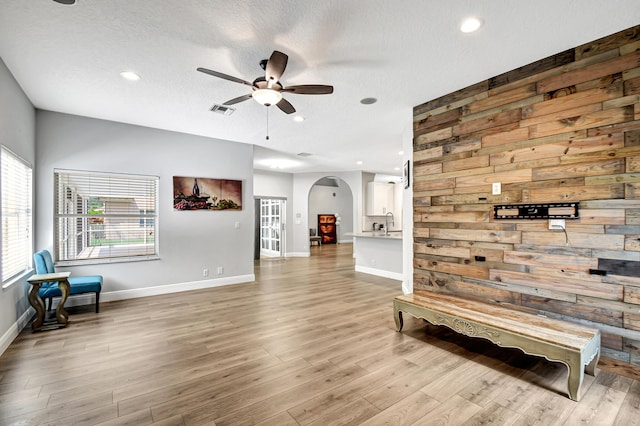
(77, 239)
(16, 202)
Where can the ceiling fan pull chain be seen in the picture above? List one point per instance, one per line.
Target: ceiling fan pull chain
(267, 123)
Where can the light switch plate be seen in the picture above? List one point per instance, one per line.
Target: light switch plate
(496, 188)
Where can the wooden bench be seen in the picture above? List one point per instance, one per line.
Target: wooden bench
(574, 345)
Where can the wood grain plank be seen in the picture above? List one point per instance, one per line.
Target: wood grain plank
(583, 121)
(484, 123)
(614, 41)
(435, 135)
(573, 100)
(632, 60)
(574, 193)
(466, 163)
(568, 171)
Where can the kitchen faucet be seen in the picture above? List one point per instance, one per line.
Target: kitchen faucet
(386, 223)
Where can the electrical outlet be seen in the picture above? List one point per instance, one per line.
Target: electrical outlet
(220, 270)
(556, 224)
(496, 188)
(205, 272)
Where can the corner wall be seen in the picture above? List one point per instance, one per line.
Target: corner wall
(565, 128)
(190, 241)
(17, 132)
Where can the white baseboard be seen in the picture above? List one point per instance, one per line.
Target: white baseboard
(298, 254)
(15, 329)
(175, 288)
(380, 273)
(110, 296)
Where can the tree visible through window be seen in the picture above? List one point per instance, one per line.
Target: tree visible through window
(105, 216)
(17, 195)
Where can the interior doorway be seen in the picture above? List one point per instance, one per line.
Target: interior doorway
(332, 196)
(270, 227)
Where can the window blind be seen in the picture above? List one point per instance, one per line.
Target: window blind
(17, 195)
(105, 216)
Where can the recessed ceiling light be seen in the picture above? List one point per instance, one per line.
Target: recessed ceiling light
(400, 152)
(359, 162)
(396, 168)
(298, 118)
(470, 25)
(368, 101)
(130, 75)
(68, 2)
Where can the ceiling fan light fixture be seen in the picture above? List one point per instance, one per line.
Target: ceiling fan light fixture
(266, 97)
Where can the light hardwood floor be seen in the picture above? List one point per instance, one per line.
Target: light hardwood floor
(311, 342)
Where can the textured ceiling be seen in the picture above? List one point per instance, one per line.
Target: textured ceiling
(68, 59)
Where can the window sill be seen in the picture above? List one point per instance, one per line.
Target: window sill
(106, 260)
(18, 278)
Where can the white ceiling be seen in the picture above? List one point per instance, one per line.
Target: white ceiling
(402, 52)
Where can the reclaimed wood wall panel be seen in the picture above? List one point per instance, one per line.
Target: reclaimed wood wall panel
(563, 129)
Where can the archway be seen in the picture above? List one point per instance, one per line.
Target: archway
(331, 195)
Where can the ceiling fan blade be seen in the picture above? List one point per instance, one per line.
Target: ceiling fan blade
(238, 99)
(224, 76)
(275, 67)
(285, 106)
(309, 89)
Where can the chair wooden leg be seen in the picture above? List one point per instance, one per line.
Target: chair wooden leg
(50, 303)
(97, 302)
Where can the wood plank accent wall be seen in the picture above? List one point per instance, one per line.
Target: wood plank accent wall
(565, 128)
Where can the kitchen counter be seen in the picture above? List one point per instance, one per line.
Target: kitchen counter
(378, 234)
(379, 254)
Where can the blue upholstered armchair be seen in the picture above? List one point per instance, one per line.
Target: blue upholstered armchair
(78, 285)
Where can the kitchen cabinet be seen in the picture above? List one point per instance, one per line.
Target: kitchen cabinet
(380, 199)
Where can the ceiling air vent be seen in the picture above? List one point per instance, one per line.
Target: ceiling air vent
(221, 109)
(304, 154)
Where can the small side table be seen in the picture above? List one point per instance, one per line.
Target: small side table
(62, 317)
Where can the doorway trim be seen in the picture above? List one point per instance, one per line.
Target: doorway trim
(264, 233)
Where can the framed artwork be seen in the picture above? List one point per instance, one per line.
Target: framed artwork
(197, 193)
(405, 174)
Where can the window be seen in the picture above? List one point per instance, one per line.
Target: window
(17, 224)
(105, 217)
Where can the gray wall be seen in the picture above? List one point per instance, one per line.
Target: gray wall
(17, 132)
(189, 240)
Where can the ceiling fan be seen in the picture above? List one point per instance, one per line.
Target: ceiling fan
(268, 90)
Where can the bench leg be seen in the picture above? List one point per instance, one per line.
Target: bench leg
(575, 377)
(398, 318)
(590, 369)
